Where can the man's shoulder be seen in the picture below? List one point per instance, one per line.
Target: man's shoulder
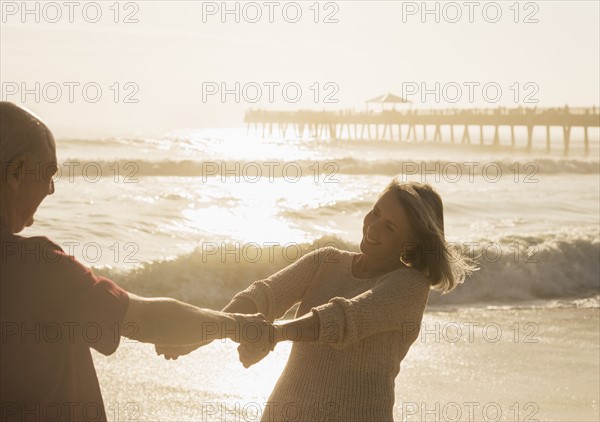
(42, 241)
(40, 258)
(37, 249)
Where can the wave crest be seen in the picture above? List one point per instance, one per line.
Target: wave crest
(328, 169)
(558, 268)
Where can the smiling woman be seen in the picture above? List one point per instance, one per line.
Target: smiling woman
(419, 212)
(359, 313)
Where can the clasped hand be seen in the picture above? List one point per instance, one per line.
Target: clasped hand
(257, 342)
(257, 337)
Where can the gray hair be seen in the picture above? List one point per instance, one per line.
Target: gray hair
(22, 135)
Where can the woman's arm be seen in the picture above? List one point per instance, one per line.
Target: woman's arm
(396, 303)
(241, 305)
(273, 296)
(304, 329)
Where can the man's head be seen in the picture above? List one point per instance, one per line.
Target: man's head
(28, 162)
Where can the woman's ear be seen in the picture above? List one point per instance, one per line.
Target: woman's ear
(410, 251)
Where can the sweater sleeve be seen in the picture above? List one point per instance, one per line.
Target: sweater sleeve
(278, 293)
(396, 303)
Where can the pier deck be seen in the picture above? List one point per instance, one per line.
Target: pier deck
(402, 125)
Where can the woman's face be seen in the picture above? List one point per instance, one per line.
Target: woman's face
(385, 229)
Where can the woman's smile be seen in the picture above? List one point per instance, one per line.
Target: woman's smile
(370, 240)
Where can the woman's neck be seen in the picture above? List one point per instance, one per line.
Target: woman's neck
(367, 267)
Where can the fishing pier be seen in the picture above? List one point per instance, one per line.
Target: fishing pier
(457, 125)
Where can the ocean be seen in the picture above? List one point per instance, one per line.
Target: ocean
(198, 215)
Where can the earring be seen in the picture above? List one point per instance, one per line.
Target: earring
(403, 260)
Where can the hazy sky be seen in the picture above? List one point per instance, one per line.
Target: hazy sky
(375, 47)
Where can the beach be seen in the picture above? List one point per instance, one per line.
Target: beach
(472, 364)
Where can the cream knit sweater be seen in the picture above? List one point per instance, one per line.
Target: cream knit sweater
(366, 328)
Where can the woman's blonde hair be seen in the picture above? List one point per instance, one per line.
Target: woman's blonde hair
(428, 250)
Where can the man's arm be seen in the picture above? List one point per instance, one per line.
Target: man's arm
(239, 305)
(170, 322)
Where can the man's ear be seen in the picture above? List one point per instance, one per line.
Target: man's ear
(13, 173)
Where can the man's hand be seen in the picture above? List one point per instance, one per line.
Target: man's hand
(254, 330)
(173, 352)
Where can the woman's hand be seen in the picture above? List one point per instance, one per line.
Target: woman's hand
(252, 353)
(173, 352)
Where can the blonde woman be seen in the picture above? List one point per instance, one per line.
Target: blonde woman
(359, 313)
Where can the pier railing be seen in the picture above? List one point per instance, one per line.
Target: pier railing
(379, 125)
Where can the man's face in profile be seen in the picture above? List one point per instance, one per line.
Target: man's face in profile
(30, 184)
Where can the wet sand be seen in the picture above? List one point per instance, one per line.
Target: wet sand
(469, 365)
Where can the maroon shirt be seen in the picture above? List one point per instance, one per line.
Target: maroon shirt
(53, 309)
